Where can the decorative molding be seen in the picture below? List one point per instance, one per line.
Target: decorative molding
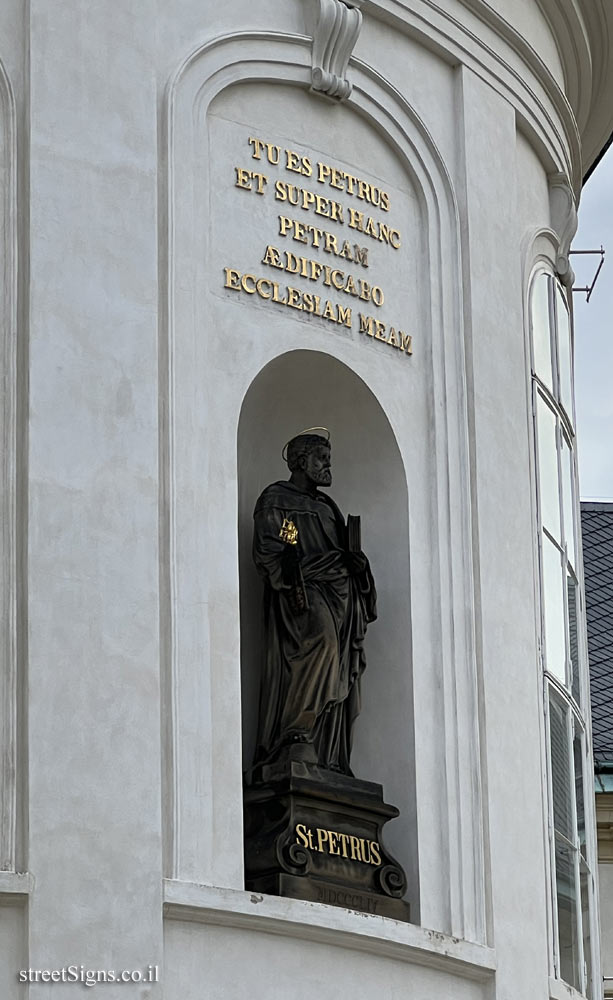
(15, 887)
(529, 85)
(337, 31)
(559, 990)
(331, 925)
(9, 791)
(199, 710)
(572, 40)
(564, 223)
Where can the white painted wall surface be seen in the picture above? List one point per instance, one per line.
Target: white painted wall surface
(133, 363)
(93, 666)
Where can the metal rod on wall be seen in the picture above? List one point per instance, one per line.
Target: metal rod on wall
(590, 288)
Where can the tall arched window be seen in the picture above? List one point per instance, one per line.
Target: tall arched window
(562, 647)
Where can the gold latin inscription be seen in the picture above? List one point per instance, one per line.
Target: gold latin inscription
(247, 178)
(308, 200)
(330, 277)
(311, 235)
(395, 338)
(377, 230)
(304, 230)
(340, 180)
(367, 852)
(289, 296)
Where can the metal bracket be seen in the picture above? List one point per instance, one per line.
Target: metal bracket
(590, 288)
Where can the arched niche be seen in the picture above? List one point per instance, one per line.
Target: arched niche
(300, 389)
(214, 342)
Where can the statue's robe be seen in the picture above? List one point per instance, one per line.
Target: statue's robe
(314, 659)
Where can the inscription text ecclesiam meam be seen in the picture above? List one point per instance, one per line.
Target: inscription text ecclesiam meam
(305, 231)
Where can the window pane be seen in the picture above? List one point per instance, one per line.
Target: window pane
(548, 468)
(579, 794)
(585, 879)
(567, 915)
(564, 355)
(559, 742)
(572, 597)
(553, 597)
(541, 337)
(568, 500)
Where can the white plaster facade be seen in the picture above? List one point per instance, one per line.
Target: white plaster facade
(136, 380)
(604, 822)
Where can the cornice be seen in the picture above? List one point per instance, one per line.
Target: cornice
(596, 133)
(583, 34)
(570, 34)
(505, 60)
(330, 925)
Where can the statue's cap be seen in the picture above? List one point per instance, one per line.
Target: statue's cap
(322, 432)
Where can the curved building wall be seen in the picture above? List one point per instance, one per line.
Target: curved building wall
(181, 298)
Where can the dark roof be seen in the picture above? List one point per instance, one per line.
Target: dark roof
(597, 531)
(593, 165)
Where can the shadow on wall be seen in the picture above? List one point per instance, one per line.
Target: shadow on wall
(304, 389)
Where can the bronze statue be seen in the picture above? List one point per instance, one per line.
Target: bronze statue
(319, 598)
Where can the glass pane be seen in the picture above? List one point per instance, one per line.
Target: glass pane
(568, 500)
(559, 742)
(579, 794)
(572, 596)
(566, 889)
(548, 468)
(564, 355)
(541, 337)
(585, 879)
(553, 597)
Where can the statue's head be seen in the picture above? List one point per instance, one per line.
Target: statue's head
(308, 457)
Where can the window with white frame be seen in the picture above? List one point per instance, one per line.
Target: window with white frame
(563, 650)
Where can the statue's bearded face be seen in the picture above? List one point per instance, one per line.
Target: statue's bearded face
(317, 465)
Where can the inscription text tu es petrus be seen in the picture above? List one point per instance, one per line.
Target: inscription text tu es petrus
(316, 236)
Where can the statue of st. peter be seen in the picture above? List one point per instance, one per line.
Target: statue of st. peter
(319, 598)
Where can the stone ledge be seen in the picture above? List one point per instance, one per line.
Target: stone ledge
(559, 990)
(324, 924)
(15, 887)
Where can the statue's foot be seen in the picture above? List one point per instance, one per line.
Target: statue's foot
(338, 769)
(298, 747)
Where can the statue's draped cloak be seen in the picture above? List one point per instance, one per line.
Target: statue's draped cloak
(311, 682)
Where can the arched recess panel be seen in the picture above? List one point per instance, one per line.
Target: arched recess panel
(222, 330)
(296, 390)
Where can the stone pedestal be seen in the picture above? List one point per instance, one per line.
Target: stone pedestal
(314, 834)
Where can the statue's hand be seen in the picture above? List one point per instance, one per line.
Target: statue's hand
(292, 576)
(297, 601)
(356, 562)
(290, 559)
